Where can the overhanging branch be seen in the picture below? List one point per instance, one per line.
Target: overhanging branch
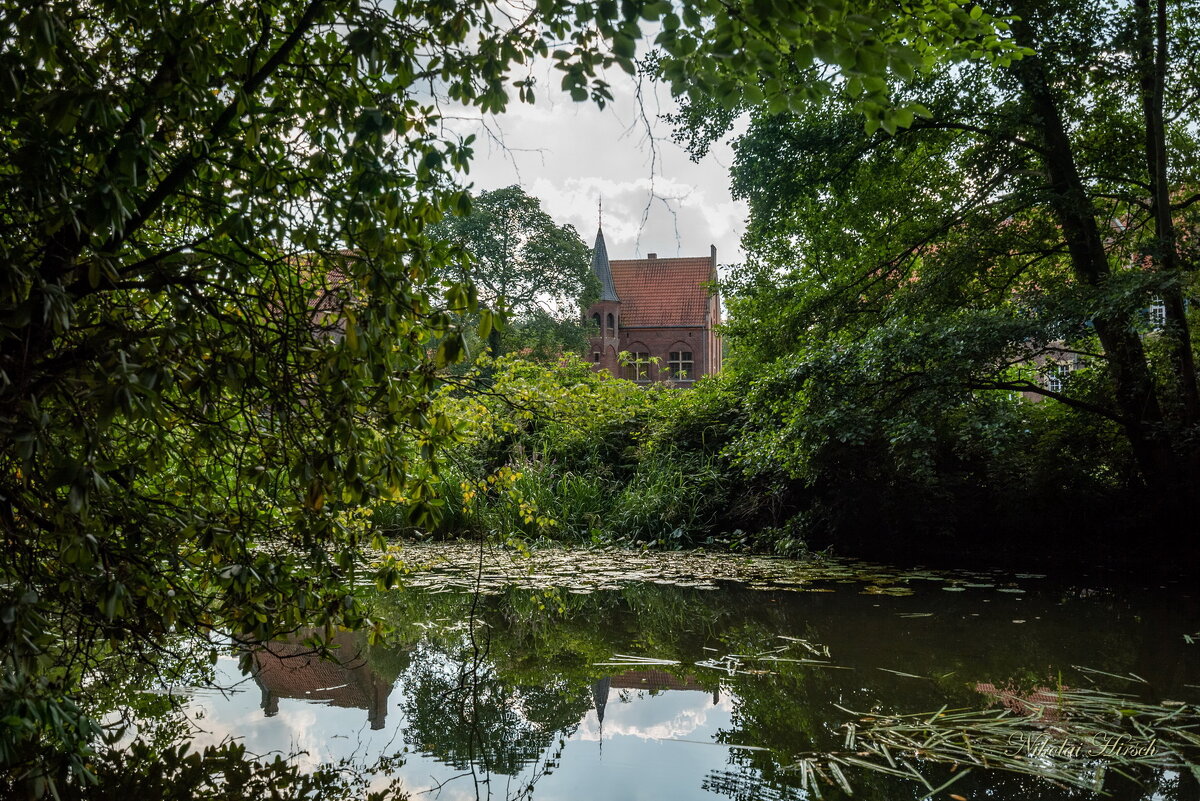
(1029, 386)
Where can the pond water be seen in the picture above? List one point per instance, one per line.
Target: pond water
(618, 675)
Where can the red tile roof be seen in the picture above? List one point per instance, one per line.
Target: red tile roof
(1045, 702)
(654, 680)
(291, 670)
(662, 292)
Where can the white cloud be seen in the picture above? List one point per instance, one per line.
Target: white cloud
(667, 716)
(572, 154)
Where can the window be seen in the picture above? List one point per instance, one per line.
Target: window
(1157, 312)
(612, 324)
(638, 367)
(1054, 375)
(596, 356)
(596, 320)
(679, 365)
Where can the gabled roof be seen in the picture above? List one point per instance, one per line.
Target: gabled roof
(601, 268)
(663, 292)
(291, 670)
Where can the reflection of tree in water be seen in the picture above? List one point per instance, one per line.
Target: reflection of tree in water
(460, 711)
(795, 712)
(537, 683)
(745, 783)
(135, 692)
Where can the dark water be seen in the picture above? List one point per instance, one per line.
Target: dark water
(545, 693)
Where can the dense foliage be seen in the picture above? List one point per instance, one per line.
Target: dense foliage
(1031, 231)
(530, 272)
(912, 293)
(216, 315)
(741, 461)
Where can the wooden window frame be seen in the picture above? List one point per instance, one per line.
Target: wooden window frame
(679, 368)
(637, 369)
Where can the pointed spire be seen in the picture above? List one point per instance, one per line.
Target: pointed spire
(602, 269)
(600, 689)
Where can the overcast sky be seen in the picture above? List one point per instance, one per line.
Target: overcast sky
(570, 154)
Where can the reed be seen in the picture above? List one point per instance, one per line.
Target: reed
(1080, 739)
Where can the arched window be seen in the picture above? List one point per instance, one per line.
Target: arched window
(596, 320)
(612, 324)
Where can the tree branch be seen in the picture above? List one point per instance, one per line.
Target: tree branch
(199, 151)
(1029, 386)
(976, 129)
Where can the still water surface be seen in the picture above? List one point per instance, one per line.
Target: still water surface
(612, 675)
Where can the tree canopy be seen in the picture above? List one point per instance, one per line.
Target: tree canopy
(216, 314)
(1024, 222)
(523, 265)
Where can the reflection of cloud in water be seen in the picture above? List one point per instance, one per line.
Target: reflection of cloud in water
(326, 733)
(460, 789)
(292, 731)
(299, 726)
(635, 719)
(667, 716)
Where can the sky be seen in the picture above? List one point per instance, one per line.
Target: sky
(572, 155)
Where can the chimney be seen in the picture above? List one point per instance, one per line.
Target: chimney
(651, 255)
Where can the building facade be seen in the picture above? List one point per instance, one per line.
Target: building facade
(661, 313)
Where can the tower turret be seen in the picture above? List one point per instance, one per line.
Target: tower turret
(605, 313)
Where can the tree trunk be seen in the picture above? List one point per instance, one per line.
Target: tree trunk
(1136, 399)
(494, 342)
(1152, 64)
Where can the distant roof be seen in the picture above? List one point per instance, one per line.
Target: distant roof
(601, 269)
(661, 292)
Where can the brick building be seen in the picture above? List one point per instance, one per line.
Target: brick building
(662, 312)
(290, 669)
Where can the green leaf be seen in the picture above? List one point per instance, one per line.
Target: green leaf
(624, 46)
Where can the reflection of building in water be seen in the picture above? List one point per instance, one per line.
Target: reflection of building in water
(289, 669)
(650, 680)
(1044, 702)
